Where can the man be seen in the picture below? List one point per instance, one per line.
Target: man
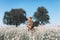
(31, 32)
(29, 23)
(30, 27)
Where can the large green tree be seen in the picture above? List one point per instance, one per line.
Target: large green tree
(41, 15)
(14, 17)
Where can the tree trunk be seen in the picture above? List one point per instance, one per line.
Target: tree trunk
(16, 25)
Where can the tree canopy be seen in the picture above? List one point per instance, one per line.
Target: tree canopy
(41, 15)
(15, 17)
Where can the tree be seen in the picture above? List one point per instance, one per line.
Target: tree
(41, 15)
(36, 23)
(14, 17)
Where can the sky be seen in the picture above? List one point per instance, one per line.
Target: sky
(30, 6)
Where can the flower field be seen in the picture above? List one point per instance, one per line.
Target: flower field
(42, 33)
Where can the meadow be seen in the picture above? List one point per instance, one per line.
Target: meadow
(18, 33)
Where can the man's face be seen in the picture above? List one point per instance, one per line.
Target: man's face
(29, 19)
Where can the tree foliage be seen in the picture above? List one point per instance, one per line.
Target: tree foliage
(14, 17)
(41, 15)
